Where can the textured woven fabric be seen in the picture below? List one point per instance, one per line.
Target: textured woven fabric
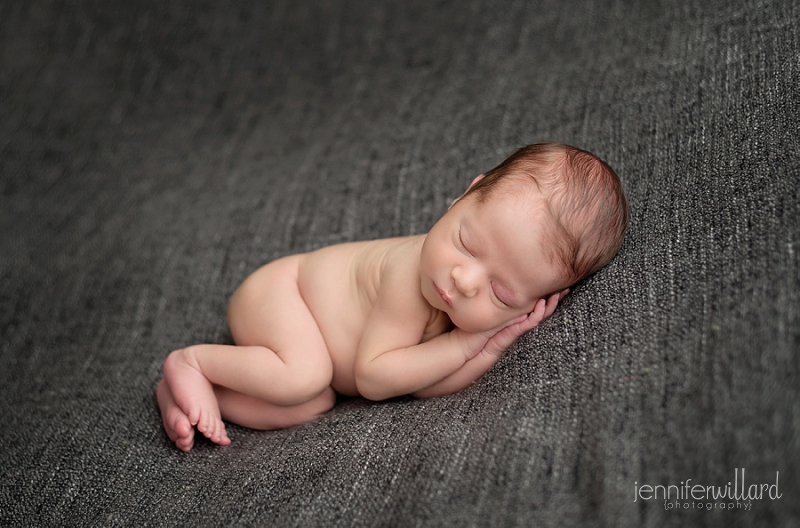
(153, 154)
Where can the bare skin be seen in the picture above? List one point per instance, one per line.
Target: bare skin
(425, 315)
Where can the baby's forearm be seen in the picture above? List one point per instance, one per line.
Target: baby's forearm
(469, 373)
(410, 369)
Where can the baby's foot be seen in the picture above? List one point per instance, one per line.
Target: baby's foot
(175, 421)
(194, 395)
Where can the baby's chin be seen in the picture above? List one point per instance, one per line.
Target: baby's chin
(462, 323)
(468, 326)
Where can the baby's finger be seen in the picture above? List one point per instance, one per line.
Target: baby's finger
(552, 302)
(536, 316)
(505, 325)
(531, 322)
(538, 310)
(514, 321)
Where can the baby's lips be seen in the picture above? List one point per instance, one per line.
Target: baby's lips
(446, 298)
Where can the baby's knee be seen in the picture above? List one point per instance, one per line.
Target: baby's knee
(299, 414)
(314, 408)
(326, 400)
(308, 383)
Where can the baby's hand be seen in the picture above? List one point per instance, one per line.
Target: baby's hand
(497, 340)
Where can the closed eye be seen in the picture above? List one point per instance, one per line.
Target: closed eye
(461, 243)
(494, 293)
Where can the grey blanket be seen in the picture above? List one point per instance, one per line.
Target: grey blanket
(153, 154)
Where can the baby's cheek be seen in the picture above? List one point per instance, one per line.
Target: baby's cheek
(485, 320)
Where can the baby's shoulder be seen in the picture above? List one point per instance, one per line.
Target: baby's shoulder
(399, 262)
(392, 266)
(399, 298)
(373, 268)
(400, 279)
(403, 289)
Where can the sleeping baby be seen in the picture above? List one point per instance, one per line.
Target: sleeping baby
(425, 315)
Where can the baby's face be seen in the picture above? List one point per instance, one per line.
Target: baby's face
(484, 264)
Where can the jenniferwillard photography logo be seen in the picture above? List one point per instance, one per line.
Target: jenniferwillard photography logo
(733, 496)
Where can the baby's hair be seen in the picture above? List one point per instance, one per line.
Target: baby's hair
(585, 201)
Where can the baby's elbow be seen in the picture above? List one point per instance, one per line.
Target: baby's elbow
(369, 390)
(371, 394)
(423, 394)
(369, 387)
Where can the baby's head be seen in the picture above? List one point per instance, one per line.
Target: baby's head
(585, 213)
(542, 220)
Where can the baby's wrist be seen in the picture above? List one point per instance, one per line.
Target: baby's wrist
(470, 344)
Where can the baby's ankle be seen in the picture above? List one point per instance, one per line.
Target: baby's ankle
(179, 363)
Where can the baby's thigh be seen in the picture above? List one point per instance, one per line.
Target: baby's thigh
(268, 310)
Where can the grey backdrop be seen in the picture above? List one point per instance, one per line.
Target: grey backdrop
(153, 154)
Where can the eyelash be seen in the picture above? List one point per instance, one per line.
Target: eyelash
(461, 242)
(499, 299)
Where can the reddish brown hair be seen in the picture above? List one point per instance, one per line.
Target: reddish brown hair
(586, 205)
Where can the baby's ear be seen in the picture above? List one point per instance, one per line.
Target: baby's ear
(478, 178)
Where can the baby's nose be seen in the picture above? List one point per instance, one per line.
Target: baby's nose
(467, 280)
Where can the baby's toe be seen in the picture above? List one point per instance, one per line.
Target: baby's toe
(195, 416)
(205, 425)
(185, 444)
(181, 427)
(221, 436)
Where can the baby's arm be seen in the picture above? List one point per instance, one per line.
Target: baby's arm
(476, 367)
(390, 360)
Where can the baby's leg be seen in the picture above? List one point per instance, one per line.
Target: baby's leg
(260, 414)
(280, 355)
